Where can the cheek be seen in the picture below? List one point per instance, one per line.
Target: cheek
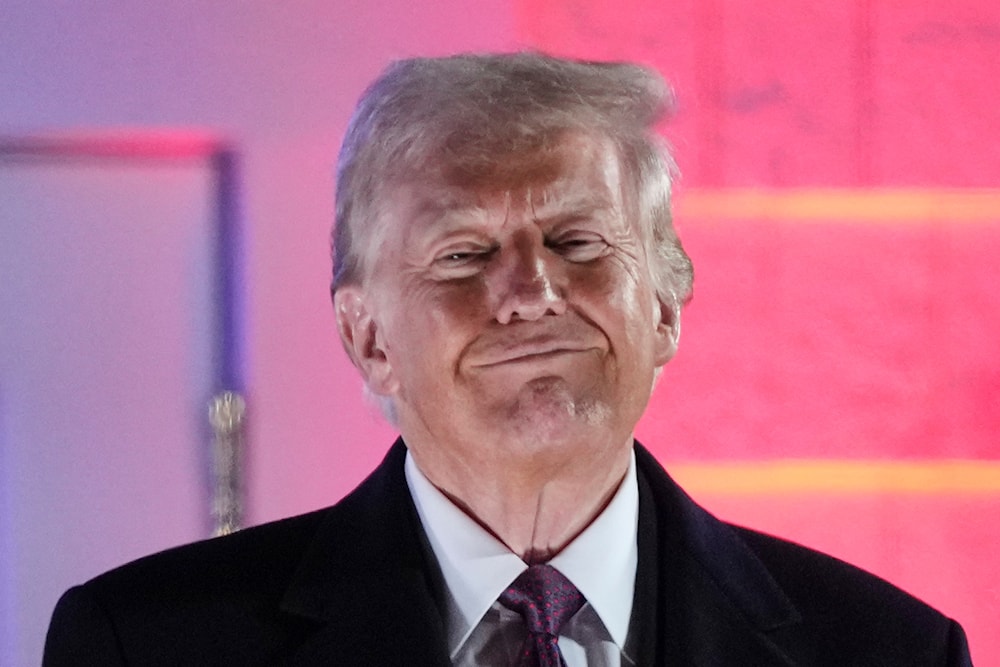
(435, 321)
(613, 287)
(621, 304)
(601, 282)
(456, 304)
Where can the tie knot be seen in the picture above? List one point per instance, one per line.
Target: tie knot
(544, 597)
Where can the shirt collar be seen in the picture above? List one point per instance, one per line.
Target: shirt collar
(477, 567)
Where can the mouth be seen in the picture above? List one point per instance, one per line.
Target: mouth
(530, 353)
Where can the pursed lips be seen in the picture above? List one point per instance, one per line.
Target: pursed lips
(528, 351)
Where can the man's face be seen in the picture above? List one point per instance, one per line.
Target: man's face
(511, 326)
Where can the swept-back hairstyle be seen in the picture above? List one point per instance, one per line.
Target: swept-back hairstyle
(470, 115)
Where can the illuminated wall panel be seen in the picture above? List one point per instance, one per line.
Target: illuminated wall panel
(935, 103)
(836, 338)
(787, 93)
(108, 357)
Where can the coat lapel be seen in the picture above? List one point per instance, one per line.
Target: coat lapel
(716, 603)
(370, 592)
(367, 583)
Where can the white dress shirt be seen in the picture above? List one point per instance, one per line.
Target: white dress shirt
(477, 567)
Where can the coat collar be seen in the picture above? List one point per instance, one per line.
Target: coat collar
(716, 603)
(367, 582)
(372, 591)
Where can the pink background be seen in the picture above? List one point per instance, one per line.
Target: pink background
(832, 338)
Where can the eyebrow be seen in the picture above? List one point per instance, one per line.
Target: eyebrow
(569, 209)
(445, 212)
(439, 217)
(443, 203)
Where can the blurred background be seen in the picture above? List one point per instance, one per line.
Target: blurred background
(165, 204)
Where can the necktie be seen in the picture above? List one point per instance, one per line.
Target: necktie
(544, 598)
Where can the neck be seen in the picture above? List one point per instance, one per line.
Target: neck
(533, 508)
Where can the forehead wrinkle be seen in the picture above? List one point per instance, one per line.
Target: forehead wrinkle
(577, 193)
(439, 199)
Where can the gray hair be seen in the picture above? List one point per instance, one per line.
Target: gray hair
(471, 114)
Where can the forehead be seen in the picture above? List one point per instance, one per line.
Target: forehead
(577, 172)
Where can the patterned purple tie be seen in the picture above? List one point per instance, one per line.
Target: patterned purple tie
(544, 598)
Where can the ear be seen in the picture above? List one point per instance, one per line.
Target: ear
(362, 339)
(668, 328)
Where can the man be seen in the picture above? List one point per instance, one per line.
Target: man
(509, 284)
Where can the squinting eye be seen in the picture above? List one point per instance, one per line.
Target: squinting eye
(583, 248)
(462, 257)
(461, 263)
(457, 257)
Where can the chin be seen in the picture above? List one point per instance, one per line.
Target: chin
(548, 411)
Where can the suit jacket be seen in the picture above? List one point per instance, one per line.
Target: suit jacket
(356, 584)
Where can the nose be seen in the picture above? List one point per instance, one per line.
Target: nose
(526, 283)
